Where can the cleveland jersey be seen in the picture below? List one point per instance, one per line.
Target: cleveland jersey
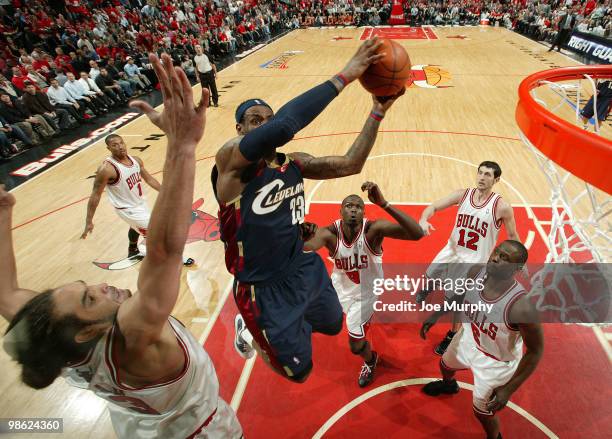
(174, 409)
(261, 227)
(476, 228)
(126, 191)
(356, 264)
(491, 331)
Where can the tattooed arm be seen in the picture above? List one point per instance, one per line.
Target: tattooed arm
(324, 168)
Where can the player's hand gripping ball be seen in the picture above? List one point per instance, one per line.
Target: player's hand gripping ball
(390, 74)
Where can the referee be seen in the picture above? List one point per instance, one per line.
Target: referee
(206, 73)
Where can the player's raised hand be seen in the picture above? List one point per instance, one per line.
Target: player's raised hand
(7, 200)
(180, 120)
(365, 55)
(427, 324)
(427, 228)
(383, 103)
(88, 229)
(307, 231)
(374, 193)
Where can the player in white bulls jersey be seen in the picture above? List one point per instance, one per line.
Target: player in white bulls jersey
(355, 245)
(122, 175)
(127, 349)
(498, 317)
(477, 224)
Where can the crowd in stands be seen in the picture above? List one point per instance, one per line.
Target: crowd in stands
(63, 63)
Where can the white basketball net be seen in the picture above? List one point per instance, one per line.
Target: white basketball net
(580, 229)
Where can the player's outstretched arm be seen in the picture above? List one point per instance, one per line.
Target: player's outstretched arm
(525, 316)
(104, 174)
(406, 227)
(295, 114)
(148, 178)
(143, 316)
(458, 298)
(323, 237)
(324, 168)
(506, 214)
(12, 298)
(441, 204)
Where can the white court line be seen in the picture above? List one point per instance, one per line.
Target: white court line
(414, 382)
(199, 320)
(529, 240)
(242, 383)
(603, 339)
(608, 335)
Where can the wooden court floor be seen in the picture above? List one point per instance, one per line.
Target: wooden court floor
(429, 145)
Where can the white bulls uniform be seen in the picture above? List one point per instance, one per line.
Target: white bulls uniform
(472, 239)
(127, 196)
(187, 406)
(356, 266)
(487, 343)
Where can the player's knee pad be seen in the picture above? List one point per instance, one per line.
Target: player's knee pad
(357, 350)
(302, 375)
(333, 329)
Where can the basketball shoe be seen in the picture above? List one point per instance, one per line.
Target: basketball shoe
(367, 370)
(242, 339)
(436, 388)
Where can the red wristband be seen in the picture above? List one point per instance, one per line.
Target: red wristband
(377, 116)
(342, 79)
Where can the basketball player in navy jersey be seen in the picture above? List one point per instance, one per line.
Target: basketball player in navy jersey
(355, 245)
(282, 293)
(124, 347)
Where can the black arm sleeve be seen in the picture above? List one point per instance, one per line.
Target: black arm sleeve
(290, 119)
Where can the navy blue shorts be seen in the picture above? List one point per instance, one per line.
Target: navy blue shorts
(603, 108)
(282, 314)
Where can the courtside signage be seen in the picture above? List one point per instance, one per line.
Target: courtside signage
(593, 47)
(64, 151)
(281, 61)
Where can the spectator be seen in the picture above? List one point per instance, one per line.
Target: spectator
(8, 87)
(37, 102)
(15, 112)
(133, 73)
(60, 98)
(121, 78)
(82, 95)
(7, 148)
(13, 132)
(110, 87)
(94, 71)
(39, 81)
(91, 85)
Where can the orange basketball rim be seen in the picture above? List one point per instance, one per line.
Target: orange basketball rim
(584, 154)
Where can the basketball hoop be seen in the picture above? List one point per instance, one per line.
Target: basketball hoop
(576, 164)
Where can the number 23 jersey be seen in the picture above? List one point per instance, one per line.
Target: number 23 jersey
(260, 228)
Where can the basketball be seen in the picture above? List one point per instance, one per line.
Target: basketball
(389, 75)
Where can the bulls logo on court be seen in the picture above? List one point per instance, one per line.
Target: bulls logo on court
(204, 227)
(429, 76)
